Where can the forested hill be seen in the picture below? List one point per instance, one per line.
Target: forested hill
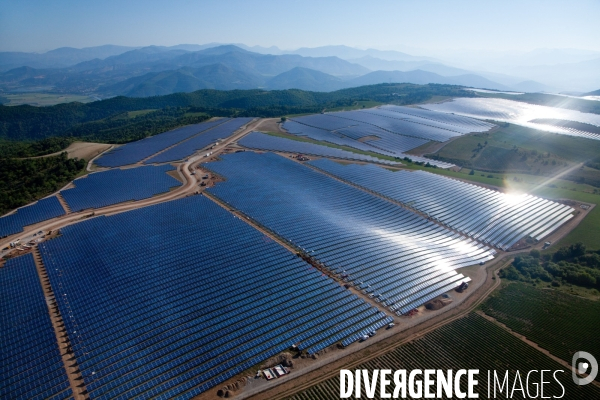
(115, 120)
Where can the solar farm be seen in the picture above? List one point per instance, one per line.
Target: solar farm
(116, 186)
(388, 130)
(191, 258)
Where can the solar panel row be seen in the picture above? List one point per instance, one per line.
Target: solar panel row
(360, 136)
(393, 254)
(456, 122)
(262, 141)
(190, 146)
(544, 118)
(297, 128)
(358, 130)
(42, 210)
(105, 188)
(393, 122)
(169, 300)
(31, 366)
(487, 215)
(134, 152)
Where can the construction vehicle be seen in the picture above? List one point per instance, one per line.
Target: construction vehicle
(462, 287)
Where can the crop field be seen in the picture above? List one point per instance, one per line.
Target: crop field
(471, 342)
(44, 99)
(520, 149)
(548, 318)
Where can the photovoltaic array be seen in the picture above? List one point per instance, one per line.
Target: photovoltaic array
(403, 121)
(394, 254)
(343, 129)
(105, 188)
(262, 141)
(550, 119)
(487, 215)
(448, 122)
(32, 367)
(44, 209)
(188, 147)
(135, 152)
(187, 297)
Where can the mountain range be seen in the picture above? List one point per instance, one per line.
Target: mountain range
(107, 71)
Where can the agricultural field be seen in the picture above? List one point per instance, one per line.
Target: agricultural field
(513, 148)
(44, 99)
(471, 342)
(547, 317)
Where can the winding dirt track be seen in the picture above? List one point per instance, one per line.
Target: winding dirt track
(189, 187)
(322, 369)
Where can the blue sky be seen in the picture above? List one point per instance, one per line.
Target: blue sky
(401, 25)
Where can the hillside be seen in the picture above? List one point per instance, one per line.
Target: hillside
(109, 120)
(305, 79)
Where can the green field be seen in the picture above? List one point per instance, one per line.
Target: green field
(43, 99)
(471, 342)
(558, 322)
(513, 148)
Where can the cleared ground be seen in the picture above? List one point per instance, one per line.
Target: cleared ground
(82, 150)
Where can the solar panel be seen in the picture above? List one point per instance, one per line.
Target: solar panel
(200, 141)
(42, 210)
(362, 136)
(393, 254)
(487, 215)
(105, 188)
(170, 300)
(262, 141)
(32, 366)
(135, 152)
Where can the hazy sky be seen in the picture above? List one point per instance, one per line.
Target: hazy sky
(34, 25)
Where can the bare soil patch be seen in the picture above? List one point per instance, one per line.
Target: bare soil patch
(270, 125)
(368, 138)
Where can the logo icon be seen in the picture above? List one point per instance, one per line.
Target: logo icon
(583, 366)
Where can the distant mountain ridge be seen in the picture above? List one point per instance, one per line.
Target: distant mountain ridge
(58, 58)
(160, 70)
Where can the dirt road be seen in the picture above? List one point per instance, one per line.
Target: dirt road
(189, 187)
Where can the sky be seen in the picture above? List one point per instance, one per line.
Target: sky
(415, 26)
